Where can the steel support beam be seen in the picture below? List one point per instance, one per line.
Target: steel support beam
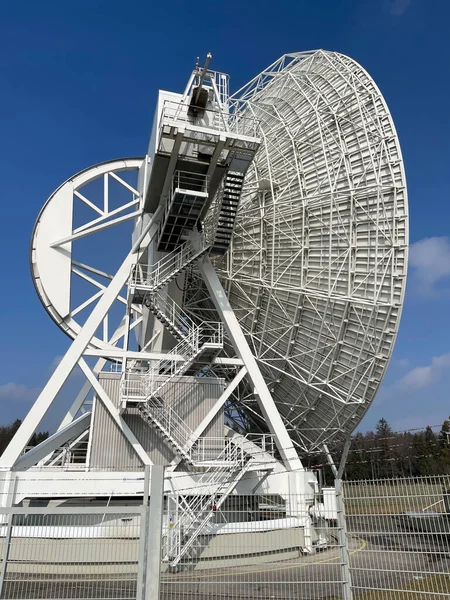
(120, 354)
(218, 405)
(114, 412)
(59, 438)
(74, 353)
(237, 338)
(101, 362)
(211, 414)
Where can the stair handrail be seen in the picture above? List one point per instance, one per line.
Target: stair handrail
(186, 349)
(201, 509)
(211, 221)
(206, 517)
(152, 275)
(213, 478)
(219, 201)
(211, 332)
(173, 313)
(169, 420)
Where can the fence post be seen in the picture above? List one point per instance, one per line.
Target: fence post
(9, 491)
(343, 541)
(6, 547)
(154, 533)
(341, 521)
(140, 592)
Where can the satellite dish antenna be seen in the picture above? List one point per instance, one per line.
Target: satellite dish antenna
(317, 268)
(260, 295)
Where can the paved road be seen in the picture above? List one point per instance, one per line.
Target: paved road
(382, 555)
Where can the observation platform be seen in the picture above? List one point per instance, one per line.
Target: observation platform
(205, 146)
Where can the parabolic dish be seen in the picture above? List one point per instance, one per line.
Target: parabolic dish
(317, 269)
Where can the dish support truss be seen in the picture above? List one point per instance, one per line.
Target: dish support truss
(317, 268)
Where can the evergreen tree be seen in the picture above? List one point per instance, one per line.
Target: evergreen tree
(7, 433)
(444, 448)
(386, 455)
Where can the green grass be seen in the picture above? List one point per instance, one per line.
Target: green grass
(435, 587)
(391, 497)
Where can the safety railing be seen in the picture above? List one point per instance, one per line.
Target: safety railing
(197, 194)
(172, 314)
(149, 277)
(220, 450)
(210, 334)
(69, 456)
(168, 421)
(220, 205)
(168, 368)
(188, 180)
(145, 385)
(266, 442)
(132, 386)
(196, 512)
(195, 338)
(175, 112)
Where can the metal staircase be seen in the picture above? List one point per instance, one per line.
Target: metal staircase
(200, 342)
(145, 279)
(170, 424)
(178, 322)
(215, 485)
(223, 217)
(197, 340)
(172, 316)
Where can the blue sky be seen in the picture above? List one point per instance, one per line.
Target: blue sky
(78, 86)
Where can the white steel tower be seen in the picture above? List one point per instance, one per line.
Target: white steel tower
(251, 318)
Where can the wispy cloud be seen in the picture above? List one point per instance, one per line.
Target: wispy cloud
(403, 362)
(17, 391)
(429, 260)
(55, 362)
(421, 377)
(416, 379)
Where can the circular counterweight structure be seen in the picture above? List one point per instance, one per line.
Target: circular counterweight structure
(317, 269)
(61, 226)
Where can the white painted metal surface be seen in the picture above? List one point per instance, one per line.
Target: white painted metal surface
(268, 256)
(52, 264)
(317, 269)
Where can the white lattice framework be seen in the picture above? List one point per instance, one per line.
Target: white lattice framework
(315, 273)
(317, 270)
